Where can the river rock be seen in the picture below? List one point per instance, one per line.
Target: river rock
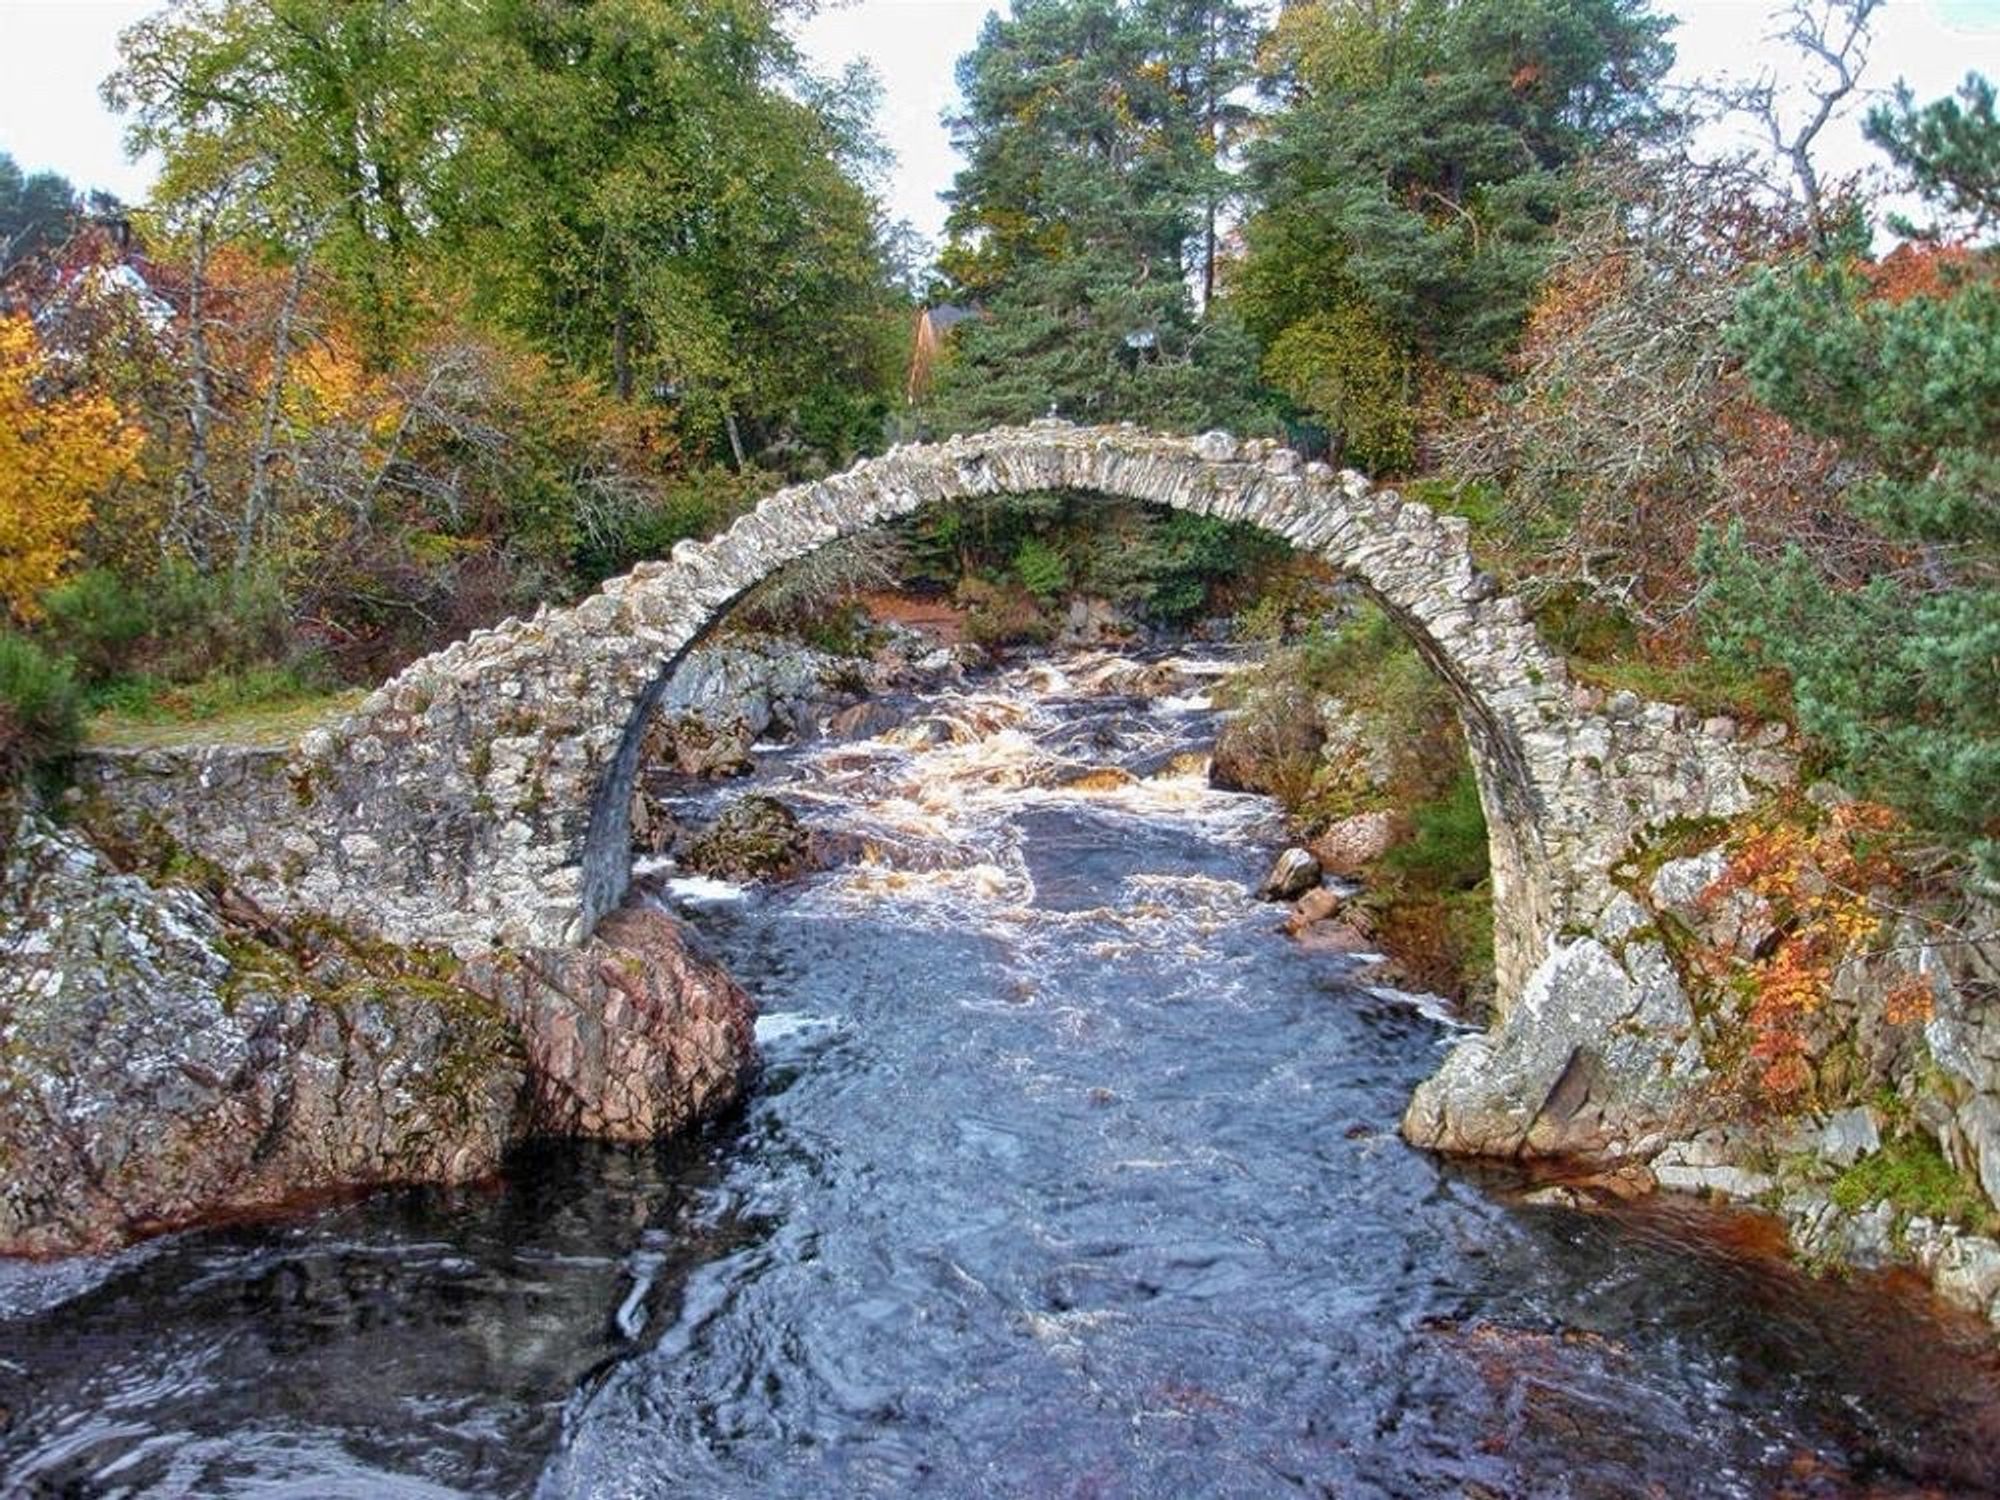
(1599, 1053)
(1316, 905)
(1256, 750)
(696, 745)
(867, 719)
(1349, 846)
(763, 685)
(1967, 1272)
(157, 1068)
(1091, 622)
(1556, 1195)
(1704, 1167)
(757, 838)
(1978, 1121)
(1848, 1135)
(1295, 873)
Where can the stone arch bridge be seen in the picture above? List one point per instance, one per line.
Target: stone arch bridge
(481, 798)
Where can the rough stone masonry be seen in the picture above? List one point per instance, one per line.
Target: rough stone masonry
(481, 800)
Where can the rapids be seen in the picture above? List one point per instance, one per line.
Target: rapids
(1066, 1175)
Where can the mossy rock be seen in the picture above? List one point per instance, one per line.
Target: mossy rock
(758, 838)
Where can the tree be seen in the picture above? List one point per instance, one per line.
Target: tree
(1949, 152)
(653, 191)
(1406, 196)
(1092, 132)
(1209, 50)
(1830, 39)
(658, 194)
(1899, 363)
(275, 114)
(1625, 425)
(57, 452)
(36, 212)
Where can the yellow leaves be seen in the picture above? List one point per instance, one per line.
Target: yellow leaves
(57, 453)
(329, 382)
(1346, 367)
(1817, 879)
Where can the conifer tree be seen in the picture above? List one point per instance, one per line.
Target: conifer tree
(1092, 130)
(1899, 362)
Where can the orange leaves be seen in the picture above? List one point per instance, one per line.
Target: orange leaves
(1817, 879)
(1910, 1003)
(1923, 271)
(57, 452)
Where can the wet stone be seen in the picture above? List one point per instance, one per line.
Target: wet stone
(1295, 873)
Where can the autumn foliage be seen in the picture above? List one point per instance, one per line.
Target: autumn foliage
(1821, 880)
(58, 451)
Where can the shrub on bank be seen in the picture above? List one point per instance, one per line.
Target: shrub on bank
(40, 709)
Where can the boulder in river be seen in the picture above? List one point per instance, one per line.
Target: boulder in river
(1295, 873)
(693, 745)
(757, 838)
(1257, 752)
(867, 719)
(1349, 846)
(169, 1053)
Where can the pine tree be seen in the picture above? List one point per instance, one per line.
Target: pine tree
(1092, 130)
(1407, 194)
(1950, 152)
(1899, 362)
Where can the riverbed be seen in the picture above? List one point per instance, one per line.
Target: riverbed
(1066, 1174)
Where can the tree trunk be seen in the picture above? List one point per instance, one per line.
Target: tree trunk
(1211, 122)
(196, 486)
(258, 501)
(621, 352)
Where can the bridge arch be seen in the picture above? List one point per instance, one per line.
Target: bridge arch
(482, 797)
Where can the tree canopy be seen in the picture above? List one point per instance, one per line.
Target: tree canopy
(1082, 221)
(1407, 196)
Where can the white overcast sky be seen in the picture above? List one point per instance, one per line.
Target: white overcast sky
(53, 53)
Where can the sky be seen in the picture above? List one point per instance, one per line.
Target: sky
(54, 53)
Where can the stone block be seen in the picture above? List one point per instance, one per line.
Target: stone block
(1848, 1135)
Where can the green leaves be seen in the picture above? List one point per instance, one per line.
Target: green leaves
(1414, 182)
(651, 190)
(1899, 362)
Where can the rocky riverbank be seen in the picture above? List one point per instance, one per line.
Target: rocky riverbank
(164, 1057)
(170, 1053)
(1741, 1022)
(1648, 1048)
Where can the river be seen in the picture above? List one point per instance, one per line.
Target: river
(1066, 1175)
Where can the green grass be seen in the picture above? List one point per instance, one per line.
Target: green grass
(1447, 849)
(1704, 685)
(1911, 1173)
(260, 706)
